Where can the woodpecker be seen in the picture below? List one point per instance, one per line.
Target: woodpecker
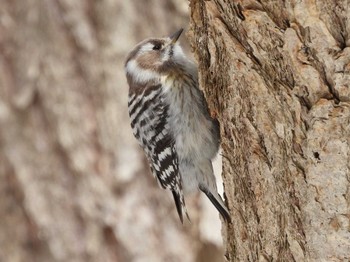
(170, 119)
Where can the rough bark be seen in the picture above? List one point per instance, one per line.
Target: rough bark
(277, 74)
(74, 184)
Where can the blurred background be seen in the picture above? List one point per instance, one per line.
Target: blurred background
(75, 185)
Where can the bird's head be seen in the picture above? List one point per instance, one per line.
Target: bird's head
(154, 57)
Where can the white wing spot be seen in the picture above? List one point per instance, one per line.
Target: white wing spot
(166, 152)
(156, 167)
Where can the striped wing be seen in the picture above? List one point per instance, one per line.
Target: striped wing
(148, 114)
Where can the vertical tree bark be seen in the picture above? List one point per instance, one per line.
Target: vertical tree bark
(277, 74)
(73, 183)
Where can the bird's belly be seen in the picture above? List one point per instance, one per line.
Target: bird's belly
(192, 128)
(195, 139)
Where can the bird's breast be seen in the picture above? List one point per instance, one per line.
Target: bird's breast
(190, 124)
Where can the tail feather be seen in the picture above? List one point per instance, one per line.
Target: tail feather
(218, 203)
(180, 205)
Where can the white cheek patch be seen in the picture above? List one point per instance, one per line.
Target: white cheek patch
(138, 74)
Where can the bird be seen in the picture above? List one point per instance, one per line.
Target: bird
(170, 119)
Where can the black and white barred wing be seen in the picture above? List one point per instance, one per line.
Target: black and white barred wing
(148, 115)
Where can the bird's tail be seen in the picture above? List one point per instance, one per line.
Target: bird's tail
(180, 205)
(217, 201)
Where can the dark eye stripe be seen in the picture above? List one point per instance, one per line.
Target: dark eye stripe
(157, 44)
(157, 47)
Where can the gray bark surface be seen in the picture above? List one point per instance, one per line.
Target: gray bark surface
(277, 74)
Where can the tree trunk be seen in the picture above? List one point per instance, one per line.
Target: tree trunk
(74, 184)
(277, 74)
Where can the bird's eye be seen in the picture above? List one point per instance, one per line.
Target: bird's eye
(157, 46)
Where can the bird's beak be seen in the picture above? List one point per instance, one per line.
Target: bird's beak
(174, 37)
